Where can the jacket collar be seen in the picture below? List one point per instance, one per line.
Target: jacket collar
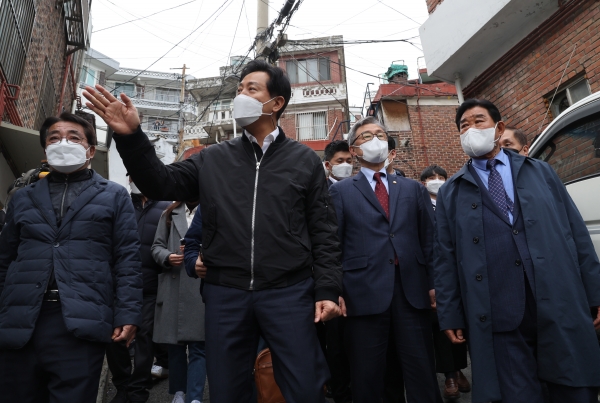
(40, 194)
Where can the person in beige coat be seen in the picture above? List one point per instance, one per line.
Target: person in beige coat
(179, 315)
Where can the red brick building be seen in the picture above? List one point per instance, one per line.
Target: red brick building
(42, 45)
(319, 103)
(514, 53)
(419, 114)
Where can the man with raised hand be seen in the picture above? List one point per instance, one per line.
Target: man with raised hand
(268, 236)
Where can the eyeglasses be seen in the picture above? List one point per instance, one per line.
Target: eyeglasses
(71, 139)
(368, 136)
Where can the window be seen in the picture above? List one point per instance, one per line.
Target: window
(309, 70)
(568, 96)
(16, 24)
(574, 152)
(220, 105)
(311, 126)
(88, 76)
(128, 89)
(45, 107)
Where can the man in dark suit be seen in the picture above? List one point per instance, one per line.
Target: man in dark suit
(515, 267)
(386, 231)
(338, 161)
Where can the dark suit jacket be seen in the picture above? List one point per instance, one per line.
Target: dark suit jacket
(370, 242)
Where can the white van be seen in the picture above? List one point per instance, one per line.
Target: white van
(571, 145)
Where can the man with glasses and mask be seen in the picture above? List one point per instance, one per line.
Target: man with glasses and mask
(516, 273)
(386, 231)
(70, 278)
(269, 239)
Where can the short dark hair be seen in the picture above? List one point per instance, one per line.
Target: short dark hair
(391, 143)
(432, 170)
(520, 135)
(88, 129)
(472, 103)
(278, 84)
(335, 147)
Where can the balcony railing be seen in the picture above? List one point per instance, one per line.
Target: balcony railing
(158, 126)
(8, 95)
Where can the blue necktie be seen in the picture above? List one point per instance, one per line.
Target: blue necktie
(497, 190)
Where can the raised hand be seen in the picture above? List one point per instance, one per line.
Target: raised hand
(122, 117)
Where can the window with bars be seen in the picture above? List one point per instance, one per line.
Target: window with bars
(16, 24)
(45, 107)
(308, 70)
(311, 126)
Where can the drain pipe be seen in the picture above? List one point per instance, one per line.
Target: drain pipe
(458, 86)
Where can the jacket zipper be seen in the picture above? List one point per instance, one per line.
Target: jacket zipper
(62, 202)
(62, 214)
(254, 220)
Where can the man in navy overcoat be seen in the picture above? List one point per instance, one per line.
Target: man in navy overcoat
(516, 274)
(386, 230)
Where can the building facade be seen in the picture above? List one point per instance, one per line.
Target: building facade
(157, 97)
(42, 45)
(419, 115)
(515, 52)
(318, 109)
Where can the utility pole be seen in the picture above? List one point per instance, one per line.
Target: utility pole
(262, 25)
(181, 102)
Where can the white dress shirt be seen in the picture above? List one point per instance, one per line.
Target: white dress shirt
(267, 141)
(368, 173)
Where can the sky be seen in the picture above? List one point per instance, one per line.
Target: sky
(204, 33)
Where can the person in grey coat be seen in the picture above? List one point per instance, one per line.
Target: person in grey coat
(516, 273)
(179, 314)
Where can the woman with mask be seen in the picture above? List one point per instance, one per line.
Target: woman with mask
(179, 314)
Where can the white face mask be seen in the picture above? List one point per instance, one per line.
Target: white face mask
(342, 171)
(247, 110)
(65, 157)
(374, 151)
(134, 189)
(434, 185)
(478, 142)
(388, 161)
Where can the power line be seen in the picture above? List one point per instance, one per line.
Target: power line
(225, 4)
(418, 23)
(141, 18)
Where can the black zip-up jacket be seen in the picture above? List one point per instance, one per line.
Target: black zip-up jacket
(264, 225)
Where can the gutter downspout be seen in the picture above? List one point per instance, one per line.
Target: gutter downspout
(421, 126)
(458, 86)
(64, 84)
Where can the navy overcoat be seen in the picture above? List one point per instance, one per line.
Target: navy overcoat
(567, 276)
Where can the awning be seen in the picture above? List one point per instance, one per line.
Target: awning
(23, 149)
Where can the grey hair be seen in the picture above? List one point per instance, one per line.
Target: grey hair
(365, 121)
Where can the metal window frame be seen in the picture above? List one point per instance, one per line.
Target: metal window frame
(311, 127)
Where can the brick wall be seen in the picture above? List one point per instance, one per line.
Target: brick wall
(519, 90)
(440, 143)
(48, 42)
(432, 4)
